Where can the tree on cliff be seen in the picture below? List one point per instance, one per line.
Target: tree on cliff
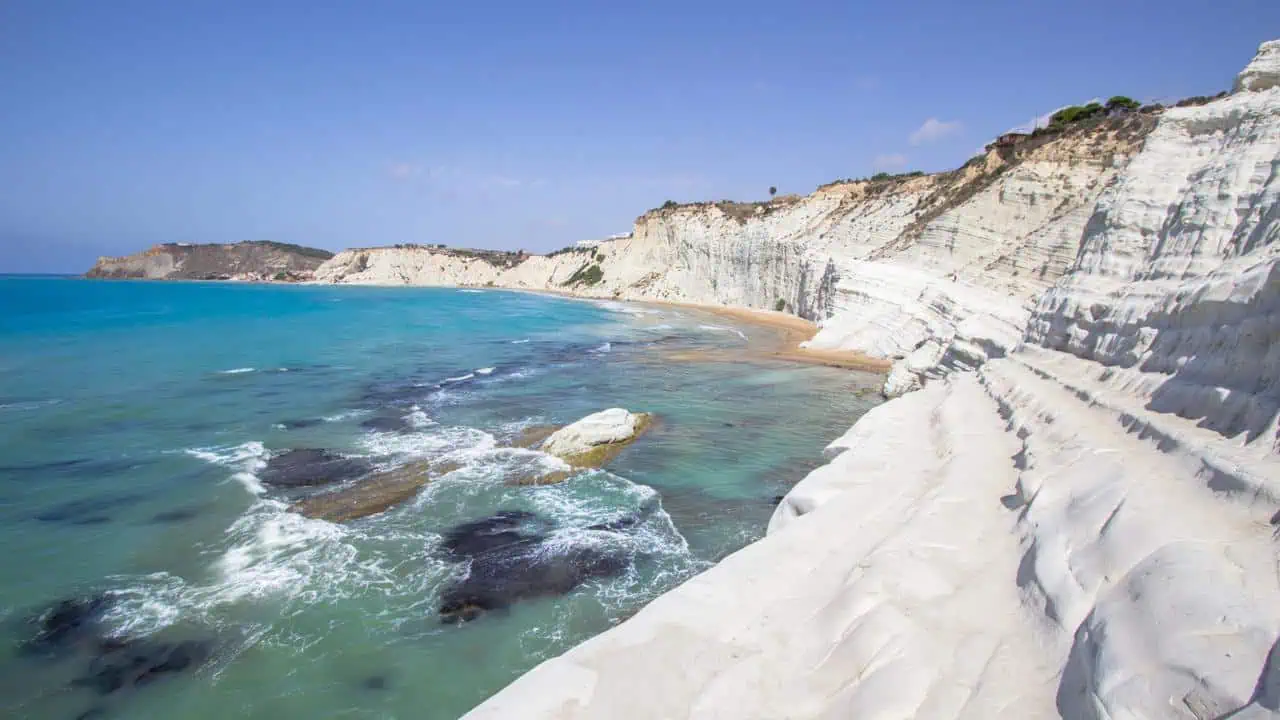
(1122, 103)
(1075, 113)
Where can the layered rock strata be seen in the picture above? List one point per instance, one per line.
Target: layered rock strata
(1073, 515)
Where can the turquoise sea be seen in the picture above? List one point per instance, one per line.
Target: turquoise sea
(152, 570)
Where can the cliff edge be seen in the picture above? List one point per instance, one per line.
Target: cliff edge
(926, 270)
(1070, 512)
(255, 260)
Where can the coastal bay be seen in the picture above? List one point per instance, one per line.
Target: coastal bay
(145, 430)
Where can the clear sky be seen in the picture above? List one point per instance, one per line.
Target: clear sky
(531, 125)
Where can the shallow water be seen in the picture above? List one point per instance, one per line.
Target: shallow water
(136, 418)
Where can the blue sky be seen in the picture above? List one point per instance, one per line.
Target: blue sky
(528, 125)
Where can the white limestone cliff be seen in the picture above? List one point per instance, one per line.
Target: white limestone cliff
(937, 272)
(1264, 71)
(1074, 513)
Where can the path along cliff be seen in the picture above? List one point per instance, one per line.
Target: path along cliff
(1070, 512)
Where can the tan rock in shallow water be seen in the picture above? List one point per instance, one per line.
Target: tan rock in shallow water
(597, 439)
(533, 435)
(373, 495)
(592, 442)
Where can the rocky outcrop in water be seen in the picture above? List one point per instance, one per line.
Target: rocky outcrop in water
(1071, 510)
(513, 556)
(255, 260)
(74, 631)
(373, 494)
(308, 467)
(597, 438)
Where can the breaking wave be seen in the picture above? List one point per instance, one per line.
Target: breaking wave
(721, 328)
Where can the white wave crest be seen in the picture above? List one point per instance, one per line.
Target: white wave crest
(419, 419)
(460, 378)
(345, 415)
(721, 328)
(485, 371)
(237, 371)
(279, 551)
(624, 308)
(30, 404)
(437, 441)
(247, 459)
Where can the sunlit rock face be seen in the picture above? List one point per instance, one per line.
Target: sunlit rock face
(1069, 512)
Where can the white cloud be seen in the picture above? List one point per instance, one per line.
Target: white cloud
(892, 161)
(934, 129)
(403, 170)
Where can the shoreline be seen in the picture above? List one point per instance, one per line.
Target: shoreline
(791, 331)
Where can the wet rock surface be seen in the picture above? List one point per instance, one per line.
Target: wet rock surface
(309, 467)
(533, 435)
(73, 631)
(504, 528)
(390, 423)
(514, 555)
(67, 624)
(374, 494)
(597, 439)
(123, 664)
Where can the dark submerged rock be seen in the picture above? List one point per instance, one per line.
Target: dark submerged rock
(375, 682)
(76, 467)
(175, 516)
(387, 423)
(374, 493)
(522, 571)
(504, 528)
(135, 663)
(91, 511)
(310, 467)
(67, 624)
(513, 557)
(623, 523)
(396, 392)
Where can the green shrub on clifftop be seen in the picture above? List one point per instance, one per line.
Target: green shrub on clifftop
(586, 275)
(1121, 102)
(1075, 113)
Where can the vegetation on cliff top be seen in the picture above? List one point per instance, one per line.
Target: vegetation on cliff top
(740, 211)
(586, 275)
(302, 250)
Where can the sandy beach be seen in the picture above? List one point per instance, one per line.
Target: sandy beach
(783, 343)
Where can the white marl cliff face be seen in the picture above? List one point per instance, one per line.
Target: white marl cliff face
(1074, 516)
(937, 272)
(1264, 72)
